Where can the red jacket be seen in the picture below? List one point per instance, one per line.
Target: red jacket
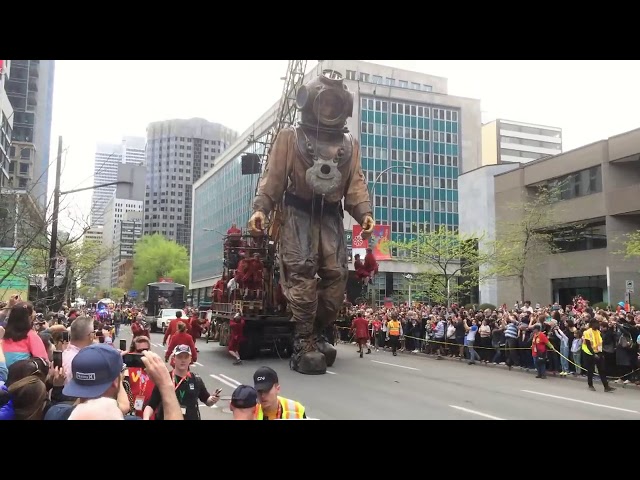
(182, 339)
(361, 327)
(173, 327)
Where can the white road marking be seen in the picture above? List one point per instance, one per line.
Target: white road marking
(156, 345)
(331, 373)
(476, 413)
(581, 401)
(230, 379)
(395, 365)
(198, 363)
(222, 380)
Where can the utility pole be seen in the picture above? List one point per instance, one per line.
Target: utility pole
(53, 247)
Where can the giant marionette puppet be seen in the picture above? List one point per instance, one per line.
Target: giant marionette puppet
(312, 167)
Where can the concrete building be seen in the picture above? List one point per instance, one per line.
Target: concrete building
(126, 204)
(128, 232)
(6, 123)
(179, 152)
(30, 91)
(402, 118)
(94, 234)
(107, 159)
(600, 200)
(507, 141)
(114, 214)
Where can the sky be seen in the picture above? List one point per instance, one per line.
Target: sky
(101, 101)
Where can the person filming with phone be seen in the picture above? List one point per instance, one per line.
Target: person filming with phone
(188, 387)
(137, 382)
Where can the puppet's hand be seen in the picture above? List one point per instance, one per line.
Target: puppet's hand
(367, 226)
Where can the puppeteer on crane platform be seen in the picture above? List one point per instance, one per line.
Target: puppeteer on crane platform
(311, 168)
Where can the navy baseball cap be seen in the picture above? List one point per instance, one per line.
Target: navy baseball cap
(244, 396)
(93, 369)
(264, 379)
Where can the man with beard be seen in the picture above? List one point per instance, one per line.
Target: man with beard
(311, 168)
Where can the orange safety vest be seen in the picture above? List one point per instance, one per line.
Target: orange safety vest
(394, 328)
(289, 410)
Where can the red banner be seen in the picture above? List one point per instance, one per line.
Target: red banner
(378, 242)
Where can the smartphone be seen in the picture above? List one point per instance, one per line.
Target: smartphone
(57, 359)
(123, 345)
(133, 360)
(218, 392)
(65, 336)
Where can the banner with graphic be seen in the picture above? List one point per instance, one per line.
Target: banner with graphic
(378, 242)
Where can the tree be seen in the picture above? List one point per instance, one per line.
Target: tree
(154, 257)
(82, 259)
(448, 263)
(522, 244)
(632, 245)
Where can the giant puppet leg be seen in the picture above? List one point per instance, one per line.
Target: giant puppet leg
(333, 273)
(298, 267)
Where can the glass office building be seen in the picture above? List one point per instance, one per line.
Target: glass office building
(224, 199)
(423, 138)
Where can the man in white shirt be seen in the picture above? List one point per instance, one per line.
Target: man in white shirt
(81, 336)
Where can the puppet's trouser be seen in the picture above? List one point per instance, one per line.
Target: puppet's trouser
(309, 246)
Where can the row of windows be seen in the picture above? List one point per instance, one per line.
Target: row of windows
(409, 109)
(530, 130)
(522, 154)
(530, 143)
(579, 184)
(388, 81)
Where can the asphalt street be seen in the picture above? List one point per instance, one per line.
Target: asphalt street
(412, 387)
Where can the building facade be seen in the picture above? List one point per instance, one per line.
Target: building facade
(6, 123)
(599, 205)
(116, 212)
(404, 121)
(507, 141)
(94, 234)
(478, 218)
(178, 153)
(108, 158)
(127, 234)
(30, 91)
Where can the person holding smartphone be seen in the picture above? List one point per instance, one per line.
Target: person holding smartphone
(137, 382)
(188, 387)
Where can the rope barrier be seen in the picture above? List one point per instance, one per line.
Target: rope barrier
(501, 348)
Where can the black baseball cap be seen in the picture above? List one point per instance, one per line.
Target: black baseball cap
(244, 396)
(264, 379)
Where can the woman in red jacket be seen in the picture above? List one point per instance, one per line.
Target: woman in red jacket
(181, 338)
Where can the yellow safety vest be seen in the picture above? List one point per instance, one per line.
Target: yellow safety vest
(595, 338)
(394, 328)
(289, 410)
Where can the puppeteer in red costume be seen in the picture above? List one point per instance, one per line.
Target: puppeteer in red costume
(367, 269)
(219, 289)
(249, 276)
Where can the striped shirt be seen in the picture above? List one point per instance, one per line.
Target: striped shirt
(511, 331)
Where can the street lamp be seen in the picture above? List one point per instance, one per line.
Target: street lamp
(409, 277)
(373, 185)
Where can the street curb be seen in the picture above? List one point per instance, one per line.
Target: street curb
(631, 386)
